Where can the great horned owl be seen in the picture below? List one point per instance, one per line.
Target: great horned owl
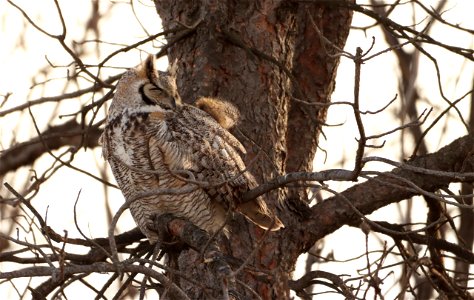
(171, 157)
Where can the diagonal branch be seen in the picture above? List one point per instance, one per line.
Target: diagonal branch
(67, 134)
(385, 189)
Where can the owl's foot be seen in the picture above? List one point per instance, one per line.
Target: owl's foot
(161, 225)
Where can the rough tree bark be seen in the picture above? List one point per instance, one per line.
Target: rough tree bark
(260, 55)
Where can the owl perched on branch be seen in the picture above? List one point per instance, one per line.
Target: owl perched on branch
(171, 157)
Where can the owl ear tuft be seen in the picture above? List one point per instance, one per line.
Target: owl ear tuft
(173, 68)
(150, 68)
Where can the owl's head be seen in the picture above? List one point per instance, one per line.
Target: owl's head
(146, 86)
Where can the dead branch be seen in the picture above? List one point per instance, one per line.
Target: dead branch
(70, 133)
(371, 195)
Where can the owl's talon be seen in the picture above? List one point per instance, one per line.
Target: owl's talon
(160, 226)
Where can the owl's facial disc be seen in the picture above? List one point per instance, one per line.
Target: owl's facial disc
(154, 95)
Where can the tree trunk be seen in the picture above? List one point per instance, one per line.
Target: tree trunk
(260, 55)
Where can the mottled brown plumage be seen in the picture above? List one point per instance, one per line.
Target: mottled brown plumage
(170, 157)
(226, 114)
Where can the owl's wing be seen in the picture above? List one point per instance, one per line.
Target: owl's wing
(196, 143)
(209, 122)
(215, 150)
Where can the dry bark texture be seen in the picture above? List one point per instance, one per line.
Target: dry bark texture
(260, 55)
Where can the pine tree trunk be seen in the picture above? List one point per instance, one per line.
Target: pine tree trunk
(260, 55)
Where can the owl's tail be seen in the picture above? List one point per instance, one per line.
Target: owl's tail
(257, 212)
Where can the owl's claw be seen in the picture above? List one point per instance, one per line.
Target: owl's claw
(160, 226)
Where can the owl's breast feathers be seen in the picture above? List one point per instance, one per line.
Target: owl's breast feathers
(125, 146)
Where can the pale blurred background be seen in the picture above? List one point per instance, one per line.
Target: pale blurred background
(25, 73)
